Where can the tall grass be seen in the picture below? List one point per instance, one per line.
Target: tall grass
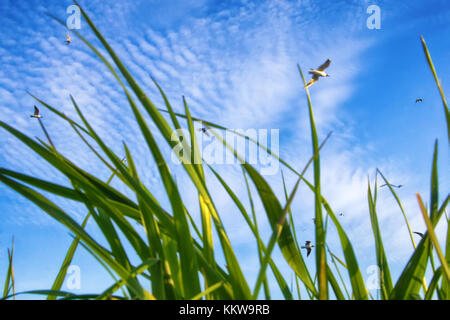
(179, 259)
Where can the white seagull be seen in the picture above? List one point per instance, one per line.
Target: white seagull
(318, 73)
(36, 113)
(308, 246)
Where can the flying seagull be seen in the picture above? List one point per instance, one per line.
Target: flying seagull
(36, 113)
(308, 246)
(204, 129)
(68, 41)
(316, 74)
(392, 185)
(419, 233)
(419, 100)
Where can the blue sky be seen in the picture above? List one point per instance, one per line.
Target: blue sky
(235, 62)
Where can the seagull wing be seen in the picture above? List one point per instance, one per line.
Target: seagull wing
(312, 81)
(325, 65)
(36, 111)
(308, 251)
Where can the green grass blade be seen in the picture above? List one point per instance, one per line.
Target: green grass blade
(385, 274)
(401, 208)
(166, 131)
(42, 292)
(100, 261)
(132, 275)
(278, 276)
(9, 280)
(321, 261)
(434, 284)
(356, 279)
(333, 259)
(434, 194)
(334, 284)
(445, 282)
(280, 232)
(44, 185)
(259, 243)
(59, 280)
(438, 83)
(55, 212)
(154, 241)
(411, 277)
(434, 239)
(208, 291)
(291, 218)
(196, 159)
(186, 249)
(277, 217)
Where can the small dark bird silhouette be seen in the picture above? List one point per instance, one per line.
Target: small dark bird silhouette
(308, 246)
(419, 233)
(204, 128)
(341, 214)
(392, 185)
(36, 113)
(419, 100)
(316, 74)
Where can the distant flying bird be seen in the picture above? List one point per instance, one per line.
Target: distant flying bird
(419, 233)
(419, 100)
(341, 214)
(318, 73)
(392, 185)
(36, 113)
(68, 41)
(204, 128)
(308, 246)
